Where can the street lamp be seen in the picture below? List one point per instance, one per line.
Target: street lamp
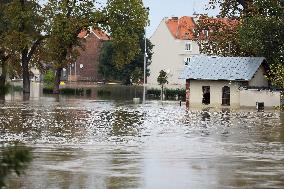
(145, 63)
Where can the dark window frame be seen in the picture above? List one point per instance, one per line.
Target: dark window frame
(226, 96)
(206, 95)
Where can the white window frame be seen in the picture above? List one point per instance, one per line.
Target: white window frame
(186, 62)
(188, 44)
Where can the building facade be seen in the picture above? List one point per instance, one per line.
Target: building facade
(173, 49)
(86, 67)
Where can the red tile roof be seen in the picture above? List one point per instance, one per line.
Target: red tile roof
(181, 28)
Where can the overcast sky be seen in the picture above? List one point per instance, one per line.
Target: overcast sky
(167, 8)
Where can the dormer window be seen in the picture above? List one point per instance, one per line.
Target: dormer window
(187, 46)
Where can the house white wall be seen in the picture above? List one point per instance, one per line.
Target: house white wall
(169, 55)
(251, 96)
(259, 79)
(238, 97)
(196, 93)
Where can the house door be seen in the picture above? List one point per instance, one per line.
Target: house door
(226, 96)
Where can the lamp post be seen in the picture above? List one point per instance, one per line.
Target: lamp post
(145, 62)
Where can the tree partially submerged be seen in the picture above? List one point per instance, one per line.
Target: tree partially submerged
(24, 33)
(162, 80)
(4, 55)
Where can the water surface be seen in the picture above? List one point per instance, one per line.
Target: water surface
(90, 143)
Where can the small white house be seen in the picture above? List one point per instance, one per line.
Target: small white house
(228, 81)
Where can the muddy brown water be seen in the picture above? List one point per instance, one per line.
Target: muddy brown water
(90, 143)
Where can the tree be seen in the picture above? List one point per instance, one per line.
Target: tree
(259, 33)
(24, 33)
(262, 34)
(68, 18)
(3, 51)
(218, 36)
(124, 20)
(162, 80)
(108, 68)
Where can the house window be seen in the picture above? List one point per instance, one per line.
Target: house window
(186, 61)
(226, 96)
(188, 46)
(206, 95)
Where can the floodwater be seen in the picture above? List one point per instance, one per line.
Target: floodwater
(107, 144)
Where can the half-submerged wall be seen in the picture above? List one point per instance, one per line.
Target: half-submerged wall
(250, 97)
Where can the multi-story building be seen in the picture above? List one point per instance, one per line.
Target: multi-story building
(174, 46)
(86, 67)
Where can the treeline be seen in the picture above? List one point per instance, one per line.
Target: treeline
(46, 35)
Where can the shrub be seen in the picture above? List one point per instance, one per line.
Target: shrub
(154, 92)
(48, 79)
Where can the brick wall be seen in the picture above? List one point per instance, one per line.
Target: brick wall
(87, 63)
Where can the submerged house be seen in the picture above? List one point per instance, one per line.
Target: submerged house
(228, 81)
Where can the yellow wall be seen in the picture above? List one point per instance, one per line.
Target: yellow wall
(196, 93)
(259, 79)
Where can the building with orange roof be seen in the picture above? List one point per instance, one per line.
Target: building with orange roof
(174, 46)
(85, 68)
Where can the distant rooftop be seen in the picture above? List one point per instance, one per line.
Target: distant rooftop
(222, 68)
(181, 28)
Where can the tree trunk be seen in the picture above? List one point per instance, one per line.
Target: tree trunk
(162, 93)
(57, 80)
(3, 75)
(26, 74)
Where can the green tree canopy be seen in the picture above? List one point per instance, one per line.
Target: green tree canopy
(111, 71)
(24, 33)
(67, 18)
(259, 32)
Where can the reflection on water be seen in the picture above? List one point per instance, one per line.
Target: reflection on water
(107, 144)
